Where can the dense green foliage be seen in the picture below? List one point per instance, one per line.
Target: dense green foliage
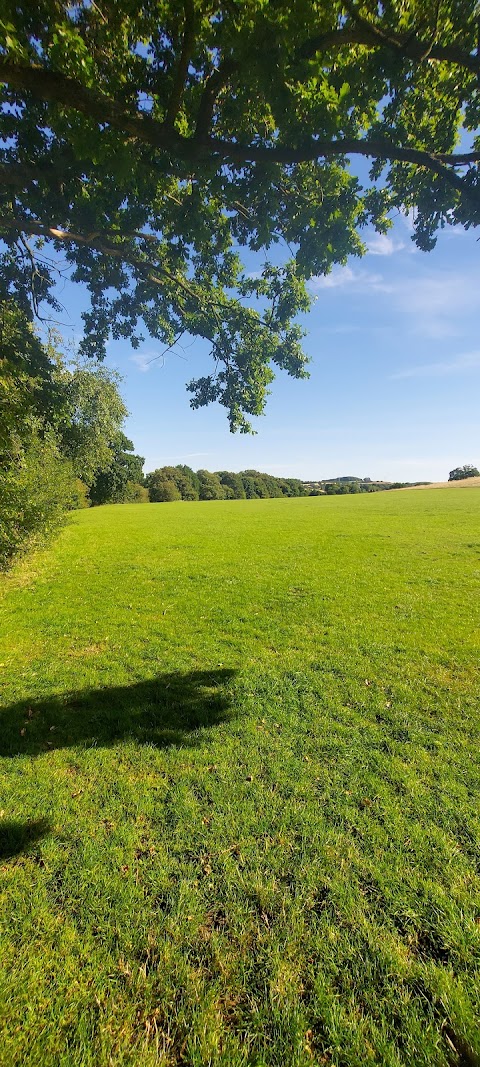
(122, 478)
(467, 471)
(88, 414)
(182, 483)
(36, 479)
(240, 765)
(149, 144)
(56, 429)
(37, 486)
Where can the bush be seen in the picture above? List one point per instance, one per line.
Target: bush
(37, 486)
(137, 494)
(164, 491)
(81, 497)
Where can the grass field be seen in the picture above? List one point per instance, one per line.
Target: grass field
(240, 776)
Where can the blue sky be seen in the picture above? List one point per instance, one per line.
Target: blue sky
(394, 384)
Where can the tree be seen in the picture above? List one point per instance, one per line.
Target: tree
(211, 487)
(255, 481)
(232, 484)
(27, 386)
(88, 416)
(160, 487)
(59, 430)
(466, 471)
(37, 482)
(121, 480)
(249, 487)
(147, 143)
(187, 481)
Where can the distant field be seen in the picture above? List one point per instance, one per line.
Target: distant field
(464, 483)
(239, 780)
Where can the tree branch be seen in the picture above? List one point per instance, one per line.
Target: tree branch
(213, 87)
(407, 45)
(20, 175)
(55, 87)
(99, 243)
(346, 146)
(181, 72)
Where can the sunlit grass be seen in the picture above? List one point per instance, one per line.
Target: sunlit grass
(239, 786)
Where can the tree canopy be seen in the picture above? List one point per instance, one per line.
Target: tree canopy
(122, 479)
(150, 143)
(182, 483)
(467, 471)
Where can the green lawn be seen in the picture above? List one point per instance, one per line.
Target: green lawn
(239, 786)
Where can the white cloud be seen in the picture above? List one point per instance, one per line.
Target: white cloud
(346, 277)
(437, 306)
(144, 360)
(466, 362)
(379, 244)
(438, 303)
(456, 231)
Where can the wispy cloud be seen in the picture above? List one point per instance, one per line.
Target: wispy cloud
(466, 362)
(344, 328)
(434, 306)
(346, 277)
(145, 360)
(456, 231)
(379, 244)
(438, 303)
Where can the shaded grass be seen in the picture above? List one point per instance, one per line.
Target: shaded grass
(18, 837)
(249, 735)
(160, 712)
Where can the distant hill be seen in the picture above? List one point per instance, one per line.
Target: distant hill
(463, 483)
(339, 481)
(348, 483)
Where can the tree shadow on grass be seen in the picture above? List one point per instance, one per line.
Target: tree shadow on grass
(16, 837)
(166, 710)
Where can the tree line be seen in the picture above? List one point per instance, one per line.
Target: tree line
(180, 482)
(183, 483)
(343, 486)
